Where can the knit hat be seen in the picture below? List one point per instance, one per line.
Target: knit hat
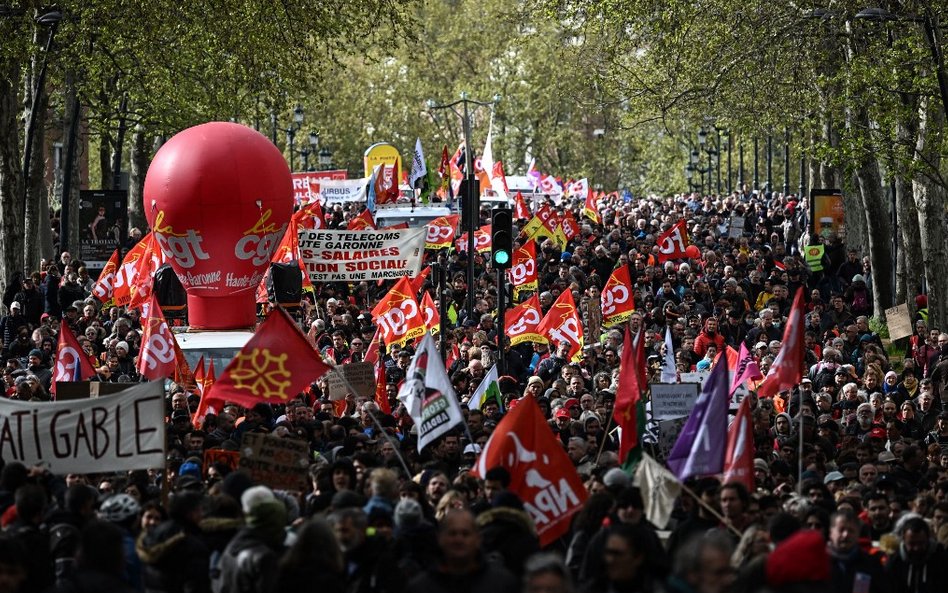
(407, 513)
(264, 513)
(36, 352)
(801, 557)
(122, 346)
(616, 478)
(190, 469)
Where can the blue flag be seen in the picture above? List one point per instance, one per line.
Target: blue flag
(370, 194)
(699, 450)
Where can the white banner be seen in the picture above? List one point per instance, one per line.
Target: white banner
(112, 433)
(354, 256)
(335, 191)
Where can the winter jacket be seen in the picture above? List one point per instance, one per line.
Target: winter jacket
(248, 565)
(508, 534)
(927, 575)
(488, 578)
(176, 560)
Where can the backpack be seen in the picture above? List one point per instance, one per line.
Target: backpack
(860, 302)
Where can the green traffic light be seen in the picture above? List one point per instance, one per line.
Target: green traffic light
(501, 257)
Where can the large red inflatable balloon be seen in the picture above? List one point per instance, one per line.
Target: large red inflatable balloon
(219, 197)
(693, 252)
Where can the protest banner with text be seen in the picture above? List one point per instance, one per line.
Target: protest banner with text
(354, 256)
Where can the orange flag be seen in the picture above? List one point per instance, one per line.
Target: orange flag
(122, 290)
(562, 324)
(616, 299)
(157, 358)
(273, 367)
(523, 322)
(398, 315)
(142, 283)
(105, 285)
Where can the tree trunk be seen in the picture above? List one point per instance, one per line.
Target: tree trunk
(11, 176)
(138, 167)
(35, 189)
(909, 240)
(119, 144)
(45, 230)
(930, 203)
(71, 150)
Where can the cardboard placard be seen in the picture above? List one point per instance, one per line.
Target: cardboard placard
(735, 228)
(361, 375)
(673, 400)
(668, 431)
(899, 322)
(229, 458)
(281, 464)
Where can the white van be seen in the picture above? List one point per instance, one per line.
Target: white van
(416, 217)
(219, 346)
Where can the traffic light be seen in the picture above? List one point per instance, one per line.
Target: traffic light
(501, 236)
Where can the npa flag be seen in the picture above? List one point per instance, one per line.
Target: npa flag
(489, 389)
(786, 372)
(673, 242)
(398, 315)
(521, 211)
(616, 300)
(273, 367)
(739, 454)
(72, 364)
(428, 309)
(523, 270)
(362, 222)
(105, 285)
(157, 358)
(699, 450)
(669, 368)
(428, 395)
(523, 322)
(747, 369)
(418, 166)
(541, 474)
(561, 324)
(440, 232)
(629, 409)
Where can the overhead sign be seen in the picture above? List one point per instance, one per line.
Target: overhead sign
(307, 185)
(383, 153)
(354, 256)
(121, 432)
(103, 225)
(339, 191)
(281, 464)
(673, 400)
(827, 216)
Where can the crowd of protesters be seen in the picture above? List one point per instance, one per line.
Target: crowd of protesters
(868, 513)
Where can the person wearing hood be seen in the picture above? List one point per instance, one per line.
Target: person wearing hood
(858, 297)
(709, 336)
(250, 561)
(174, 555)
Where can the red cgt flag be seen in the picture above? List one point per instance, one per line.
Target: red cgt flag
(432, 318)
(398, 315)
(541, 473)
(786, 372)
(739, 453)
(106, 284)
(616, 300)
(142, 283)
(523, 270)
(158, 356)
(273, 367)
(362, 222)
(523, 322)
(562, 324)
(72, 364)
(673, 242)
(521, 211)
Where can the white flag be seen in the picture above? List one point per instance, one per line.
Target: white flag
(487, 157)
(669, 369)
(418, 167)
(428, 395)
(659, 489)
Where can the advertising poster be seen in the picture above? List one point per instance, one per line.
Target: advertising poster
(826, 213)
(103, 225)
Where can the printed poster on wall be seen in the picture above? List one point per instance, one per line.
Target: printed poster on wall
(103, 225)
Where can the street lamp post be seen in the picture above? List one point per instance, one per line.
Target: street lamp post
(309, 149)
(756, 169)
(717, 133)
(770, 163)
(325, 159)
(51, 20)
(291, 131)
(740, 166)
(730, 146)
(786, 161)
(471, 199)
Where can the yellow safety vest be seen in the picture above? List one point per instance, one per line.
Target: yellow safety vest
(814, 257)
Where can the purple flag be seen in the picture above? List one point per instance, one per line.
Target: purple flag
(746, 369)
(699, 450)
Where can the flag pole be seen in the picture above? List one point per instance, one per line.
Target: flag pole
(378, 425)
(710, 509)
(800, 452)
(605, 437)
